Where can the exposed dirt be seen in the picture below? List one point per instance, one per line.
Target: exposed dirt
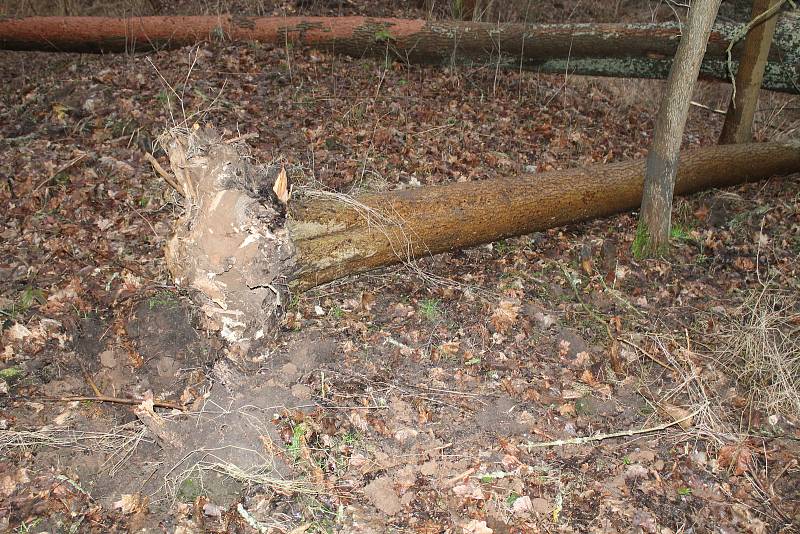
(387, 403)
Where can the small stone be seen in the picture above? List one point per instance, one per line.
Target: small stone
(166, 366)
(289, 371)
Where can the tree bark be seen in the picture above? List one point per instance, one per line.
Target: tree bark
(239, 251)
(467, 9)
(738, 127)
(626, 50)
(662, 161)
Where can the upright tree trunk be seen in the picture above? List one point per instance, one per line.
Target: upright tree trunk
(662, 160)
(621, 50)
(738, 127)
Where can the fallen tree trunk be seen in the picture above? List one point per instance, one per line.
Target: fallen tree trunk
(237, 244)
(625, 50)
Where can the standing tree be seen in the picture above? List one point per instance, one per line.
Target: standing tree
(652, 237)
(738, 126)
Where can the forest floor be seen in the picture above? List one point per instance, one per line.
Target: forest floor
(392, 401)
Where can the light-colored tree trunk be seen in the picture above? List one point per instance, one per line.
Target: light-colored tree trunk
(662, 161)
(738, 127)
(620, 50)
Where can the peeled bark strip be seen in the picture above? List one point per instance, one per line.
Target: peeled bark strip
(234, 245)
(627, 50)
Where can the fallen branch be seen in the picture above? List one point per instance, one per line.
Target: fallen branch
(600, 437)
(114, 400)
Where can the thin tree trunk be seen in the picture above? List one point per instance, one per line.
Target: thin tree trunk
(738, 127)
(243, 254)
(662, 160)
(623, 50)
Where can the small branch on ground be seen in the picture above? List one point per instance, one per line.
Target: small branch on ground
(115, 400)
(600, 437)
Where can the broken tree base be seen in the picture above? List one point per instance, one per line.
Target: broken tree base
(235, 244)
(230, 243)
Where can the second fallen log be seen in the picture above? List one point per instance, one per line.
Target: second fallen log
(620, 50)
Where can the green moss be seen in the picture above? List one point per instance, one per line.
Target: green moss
(640, 241)
(643, 244)
(10, 374)
(163, 299)
(189, 490)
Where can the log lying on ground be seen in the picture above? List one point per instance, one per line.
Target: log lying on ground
(237, 246)
(625, 50)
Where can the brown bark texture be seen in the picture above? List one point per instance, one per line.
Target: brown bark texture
(624, 50)
(334, 240)
(244, 252)
(467, 9)
(738, 127)
(662, 160)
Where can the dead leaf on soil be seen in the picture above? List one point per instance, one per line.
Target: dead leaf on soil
(541, 506)
(132, 503)
(567, 409)
(381, 494)
(469, 490)
(450, 347)
(679, 415)
(522, 505)
(10, 483)
(736, 458)
(367, 301)
(18, 332)
(477, 527)
(505, 316)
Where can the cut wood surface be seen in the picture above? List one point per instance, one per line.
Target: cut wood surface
(625, 50)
